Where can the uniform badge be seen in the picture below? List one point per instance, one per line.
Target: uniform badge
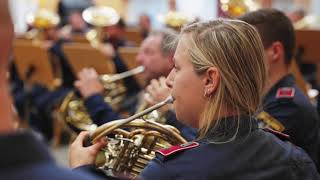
(178, 148)
(285, 92)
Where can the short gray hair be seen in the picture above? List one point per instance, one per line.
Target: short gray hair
(168, 43)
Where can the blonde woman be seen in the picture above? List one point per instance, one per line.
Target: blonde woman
(218, 82)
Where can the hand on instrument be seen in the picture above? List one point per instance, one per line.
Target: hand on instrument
(47, 44)
(80, 155)
(88, 82)
(157, 91)
(107, 50)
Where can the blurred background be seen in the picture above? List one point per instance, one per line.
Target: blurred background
(56, 38)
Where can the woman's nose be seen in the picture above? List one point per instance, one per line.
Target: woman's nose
(170, 78)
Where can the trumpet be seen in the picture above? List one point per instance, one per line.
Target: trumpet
(72, 109)
(132, 142)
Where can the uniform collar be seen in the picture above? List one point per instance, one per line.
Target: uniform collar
(22, 148)
(228, 127)
(286, 81)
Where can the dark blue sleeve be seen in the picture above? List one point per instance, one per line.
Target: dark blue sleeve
(187, 132)
(100, 111)
(67, 73)
(92, 170)
(301, 123)
(155, 170)
(130, 82)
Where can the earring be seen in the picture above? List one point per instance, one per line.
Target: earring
(206, 94)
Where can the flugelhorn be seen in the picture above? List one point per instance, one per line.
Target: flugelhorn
(72, 109)
(132, 142)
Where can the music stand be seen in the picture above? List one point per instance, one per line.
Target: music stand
(79, 38)
(301, 83)
(83, 55)
(128, 56)
(307, 43)
(134, 35)
(33, 64)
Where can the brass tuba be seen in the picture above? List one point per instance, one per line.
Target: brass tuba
(72, 109)
(41, 20)
(236, 8)
(132, 142)
(99, 17)
(176, 19)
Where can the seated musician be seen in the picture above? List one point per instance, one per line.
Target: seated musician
(155, 56)
(221, 64)
(144, 25)
(76, 25)
(284, 101)
(113, 40)
(35, 104)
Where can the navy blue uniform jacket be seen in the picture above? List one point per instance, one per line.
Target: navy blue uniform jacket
(24, 157)
(287, 104)
(252, 154)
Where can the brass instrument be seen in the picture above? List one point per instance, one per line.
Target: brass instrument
(236, 8)
(72, 109)
(41, 20)
(176, 19)
(132, 142)
(99, 17)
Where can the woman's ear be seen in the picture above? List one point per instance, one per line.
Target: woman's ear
(211, 81)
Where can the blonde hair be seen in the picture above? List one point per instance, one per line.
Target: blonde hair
(235, 49)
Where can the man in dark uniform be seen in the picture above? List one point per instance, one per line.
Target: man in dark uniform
(36, 103)
(113, 37)
(155, 56)
(22, 155)
(286, 107)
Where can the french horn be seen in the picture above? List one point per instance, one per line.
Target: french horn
(132, 142)
(99, 17)
(72, 109)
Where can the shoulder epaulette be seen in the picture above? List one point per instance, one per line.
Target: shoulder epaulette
(270, 121)
(280, 135)
(285, 92)
(175, 149)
